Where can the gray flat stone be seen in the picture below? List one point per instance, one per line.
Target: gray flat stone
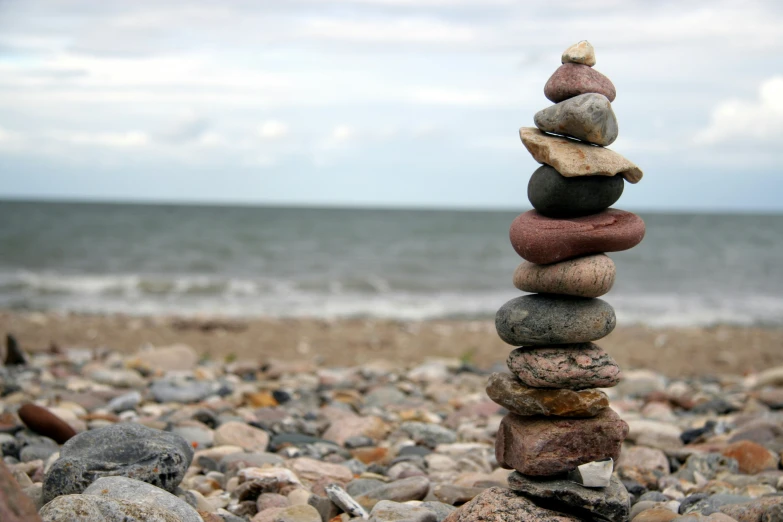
(388, 511)
(611, 503)
(587, 117)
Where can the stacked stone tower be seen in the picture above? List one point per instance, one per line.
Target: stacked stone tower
(560, 436)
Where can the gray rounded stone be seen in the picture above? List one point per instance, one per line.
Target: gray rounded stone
(540, 320)
(557, 196)
(587, 117)
(124, 488)
(130, 450)
(69, 508)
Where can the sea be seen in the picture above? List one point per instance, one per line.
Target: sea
(242, 261)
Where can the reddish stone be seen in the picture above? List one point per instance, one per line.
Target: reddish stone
(752, 458)
(503, 505)
(544, 240)
(573, 79)
(46, 423)
(15, 506)
(542, 446)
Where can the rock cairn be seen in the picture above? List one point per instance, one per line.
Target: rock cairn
(560, 436)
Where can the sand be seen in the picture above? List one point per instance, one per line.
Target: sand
(671, 351)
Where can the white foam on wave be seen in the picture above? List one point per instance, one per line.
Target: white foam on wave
(201, 294)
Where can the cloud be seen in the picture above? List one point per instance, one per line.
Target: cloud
(272, 129)
(742, 120)
(130, 139)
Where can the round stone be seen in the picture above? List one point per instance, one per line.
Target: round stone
(46, 423)
(541, 320)
(556, 196)
(543, 240)
(581, 52)
(512, 394)
(573, 79)
(572, 367)
(589, 276)
(587, 117)
(131, 450)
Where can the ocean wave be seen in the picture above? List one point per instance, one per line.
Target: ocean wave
(372, 296)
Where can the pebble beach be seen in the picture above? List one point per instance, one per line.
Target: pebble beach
(300, 438)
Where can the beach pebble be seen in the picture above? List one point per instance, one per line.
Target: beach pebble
(548, 446)
(118, 378)
(69, 508)
(587, 117)
(656, 514)
(568, 366)
(372, 427)
(556, 196)
(403, 490)
(177, 357)
(389, 511)
(182, 391)
(573, 158)
(509, 392)
(503, 505)
(45, 423)
(589, 276)
(429, 435)
(132, 450)
(751, 457)
(573, 79)
(540, 320)
(610, 503)
(126, 401)
(243, 435)
(124, 488)
(581, 52)
(544, 240)
(15, 506)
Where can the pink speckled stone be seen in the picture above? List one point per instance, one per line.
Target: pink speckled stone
(573, 79)
(570, 366)
(544, 240)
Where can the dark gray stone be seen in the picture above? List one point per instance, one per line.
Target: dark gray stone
(130, 450)
(402, 490)
(557, 196)
(587, 117)
(540, 320)
(611, 503)
(36, 452)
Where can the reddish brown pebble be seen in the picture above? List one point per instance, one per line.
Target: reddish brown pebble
(15, 506)
(573, 79)
(503, 505)
(542, 446)
(46, 423)
(544, 240)
(752, 457)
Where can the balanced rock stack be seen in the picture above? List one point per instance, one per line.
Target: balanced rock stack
(560, 436)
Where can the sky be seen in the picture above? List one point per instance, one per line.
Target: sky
(379, 102)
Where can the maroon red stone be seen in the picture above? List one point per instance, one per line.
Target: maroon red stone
(544, 240)
(46, 423)
(543, 446)
(15, 506)
(573, 79)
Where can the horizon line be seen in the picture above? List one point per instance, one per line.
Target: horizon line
(344, 205)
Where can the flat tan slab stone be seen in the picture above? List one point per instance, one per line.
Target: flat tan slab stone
(572, 158)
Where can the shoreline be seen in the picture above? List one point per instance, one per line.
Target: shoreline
(672, 351)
